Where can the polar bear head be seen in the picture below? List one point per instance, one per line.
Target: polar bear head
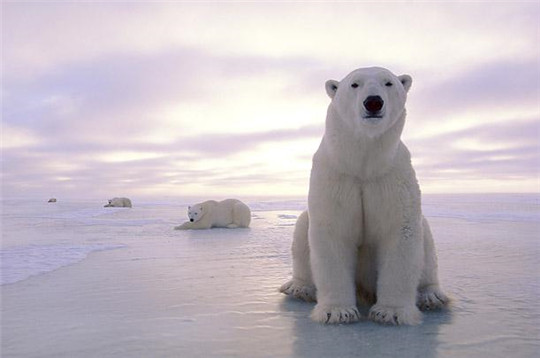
(370, 100)
(195, 212)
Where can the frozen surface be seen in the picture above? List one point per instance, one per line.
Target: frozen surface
(80, 280)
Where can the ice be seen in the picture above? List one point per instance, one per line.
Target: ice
(484, 208)
(80, 280)
(287, 216)
(20, 263)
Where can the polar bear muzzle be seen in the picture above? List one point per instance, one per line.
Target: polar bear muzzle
(373, 106)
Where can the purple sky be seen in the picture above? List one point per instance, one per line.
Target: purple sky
(227, 99)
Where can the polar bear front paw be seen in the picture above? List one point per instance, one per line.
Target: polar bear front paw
(333, 315)
(184, 226)
(431, 298)
(395, 315)
(300, 291)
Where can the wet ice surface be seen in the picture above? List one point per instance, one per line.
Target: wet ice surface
(83, 281)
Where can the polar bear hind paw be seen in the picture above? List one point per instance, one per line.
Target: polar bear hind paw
(335, 315)
(299, 291)
(431, 298)
(395, 315)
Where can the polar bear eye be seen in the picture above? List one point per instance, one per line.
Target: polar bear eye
(354, 85)
(388, 84)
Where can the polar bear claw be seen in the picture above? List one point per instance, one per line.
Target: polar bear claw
(299, 291)
(395, 315)
(335, 315)
(431, 298)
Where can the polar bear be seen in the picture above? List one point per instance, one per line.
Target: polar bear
(229, 213)
(364, 236)
(118, 203)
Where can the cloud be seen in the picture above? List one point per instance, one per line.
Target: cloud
(498, 151)
(124, 92)
(512, 85)
(227, 144)
(209, 160)
(154, 97)
(414, 36)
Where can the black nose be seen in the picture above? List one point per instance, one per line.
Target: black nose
(373, 104)
(191, 220)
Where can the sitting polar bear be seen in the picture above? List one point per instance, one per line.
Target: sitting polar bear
(229, 213)
(118, 203)
(364, 233)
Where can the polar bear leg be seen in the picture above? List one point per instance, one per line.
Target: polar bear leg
(193, 225)
(301, 286)
(185, 226)
(366, 275)
(399, 274)
(333, 263)
(430, 296)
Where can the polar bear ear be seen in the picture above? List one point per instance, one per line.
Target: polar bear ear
(406, 81)
(331, 88)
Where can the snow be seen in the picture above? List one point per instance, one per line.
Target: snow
(80, 280)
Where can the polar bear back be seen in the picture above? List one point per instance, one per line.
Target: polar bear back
(241, 213)
(226, 213)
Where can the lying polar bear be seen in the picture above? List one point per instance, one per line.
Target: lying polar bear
(364, 232)
(229, 213)
(118, 203)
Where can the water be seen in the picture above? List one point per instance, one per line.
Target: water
(82, 280)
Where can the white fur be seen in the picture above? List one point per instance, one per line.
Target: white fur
(365, 234)
(229, 213)
(119, 203)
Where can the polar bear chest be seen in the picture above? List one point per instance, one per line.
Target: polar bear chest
(366, 209)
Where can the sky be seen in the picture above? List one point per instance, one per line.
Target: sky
(227, 99)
